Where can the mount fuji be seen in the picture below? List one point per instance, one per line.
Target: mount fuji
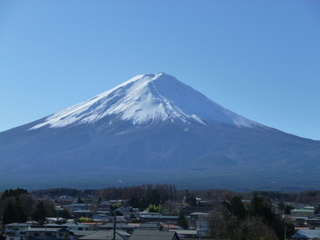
(155, 129)
(147, 100)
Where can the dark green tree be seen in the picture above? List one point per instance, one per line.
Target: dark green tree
(134, 202)
(99, 200)
(262, 208)
(155, 197)
(281, 206)
(27, 202)
(190, 198)
(49, 208)
(182, 221)
(287, 209)
(20, 217)
(79, 200)
(8, 215)
(13, 212)
(237, 208)
(65, 214)
(39, 213)
(13, 193)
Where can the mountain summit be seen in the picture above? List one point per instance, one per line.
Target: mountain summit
(155, 129)
(148, 99)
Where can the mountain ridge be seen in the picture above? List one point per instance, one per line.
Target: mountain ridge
(81, 147)
(148, 98)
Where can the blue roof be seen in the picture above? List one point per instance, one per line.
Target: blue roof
(307, 234)
(74, 224)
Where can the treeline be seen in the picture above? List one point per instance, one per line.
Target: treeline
(57, 192)
(13, 193)
(142, 196)
(311, 197)
(156, 193)
(162, 192)
(19, 206)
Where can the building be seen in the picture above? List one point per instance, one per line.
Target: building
(157, 218)
(100, 235)
(119, 226)
(191, 209)
(306, 211)
(141, 234)
(49, 233)
(16, 231)
(22, 231)
(76, 226)
(304, 234)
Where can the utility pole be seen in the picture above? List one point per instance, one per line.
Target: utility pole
(285, 232)
(45, 229)
(200, 231)
(114, 225)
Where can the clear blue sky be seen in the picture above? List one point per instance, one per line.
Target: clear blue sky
(260, 59)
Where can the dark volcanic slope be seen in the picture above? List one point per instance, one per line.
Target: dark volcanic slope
(167, 152)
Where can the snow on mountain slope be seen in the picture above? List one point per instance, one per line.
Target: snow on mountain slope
(148, 99)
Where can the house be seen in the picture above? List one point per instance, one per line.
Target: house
(141, 234)
(16, 228)
(107, 218)
(65, 200)
(75, 226)
(146, 226)
(81, 210)
(306, 211)
(15, 231)
(18, 231)
(49, 233)
(55, 219)
(79, 206)
(82, 233)
(304, 234)
(183, 234)
(169, 227)
(100, 235)
(191, 209)
(93, 226)
(157, 218)
(313, 222)
(102, 217)
(154, 226)
(194, 217)
(119, 226)
(82, 213)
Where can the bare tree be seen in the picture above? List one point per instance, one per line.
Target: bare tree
(49, 207)
(253, 228)
(221, 223)
(27, 201)
(171, 207)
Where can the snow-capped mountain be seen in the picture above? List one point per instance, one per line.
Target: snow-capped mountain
(148, 99)
(154, 129)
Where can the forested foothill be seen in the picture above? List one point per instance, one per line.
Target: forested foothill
(229, 214)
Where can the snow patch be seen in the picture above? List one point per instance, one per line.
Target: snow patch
(145, 99)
